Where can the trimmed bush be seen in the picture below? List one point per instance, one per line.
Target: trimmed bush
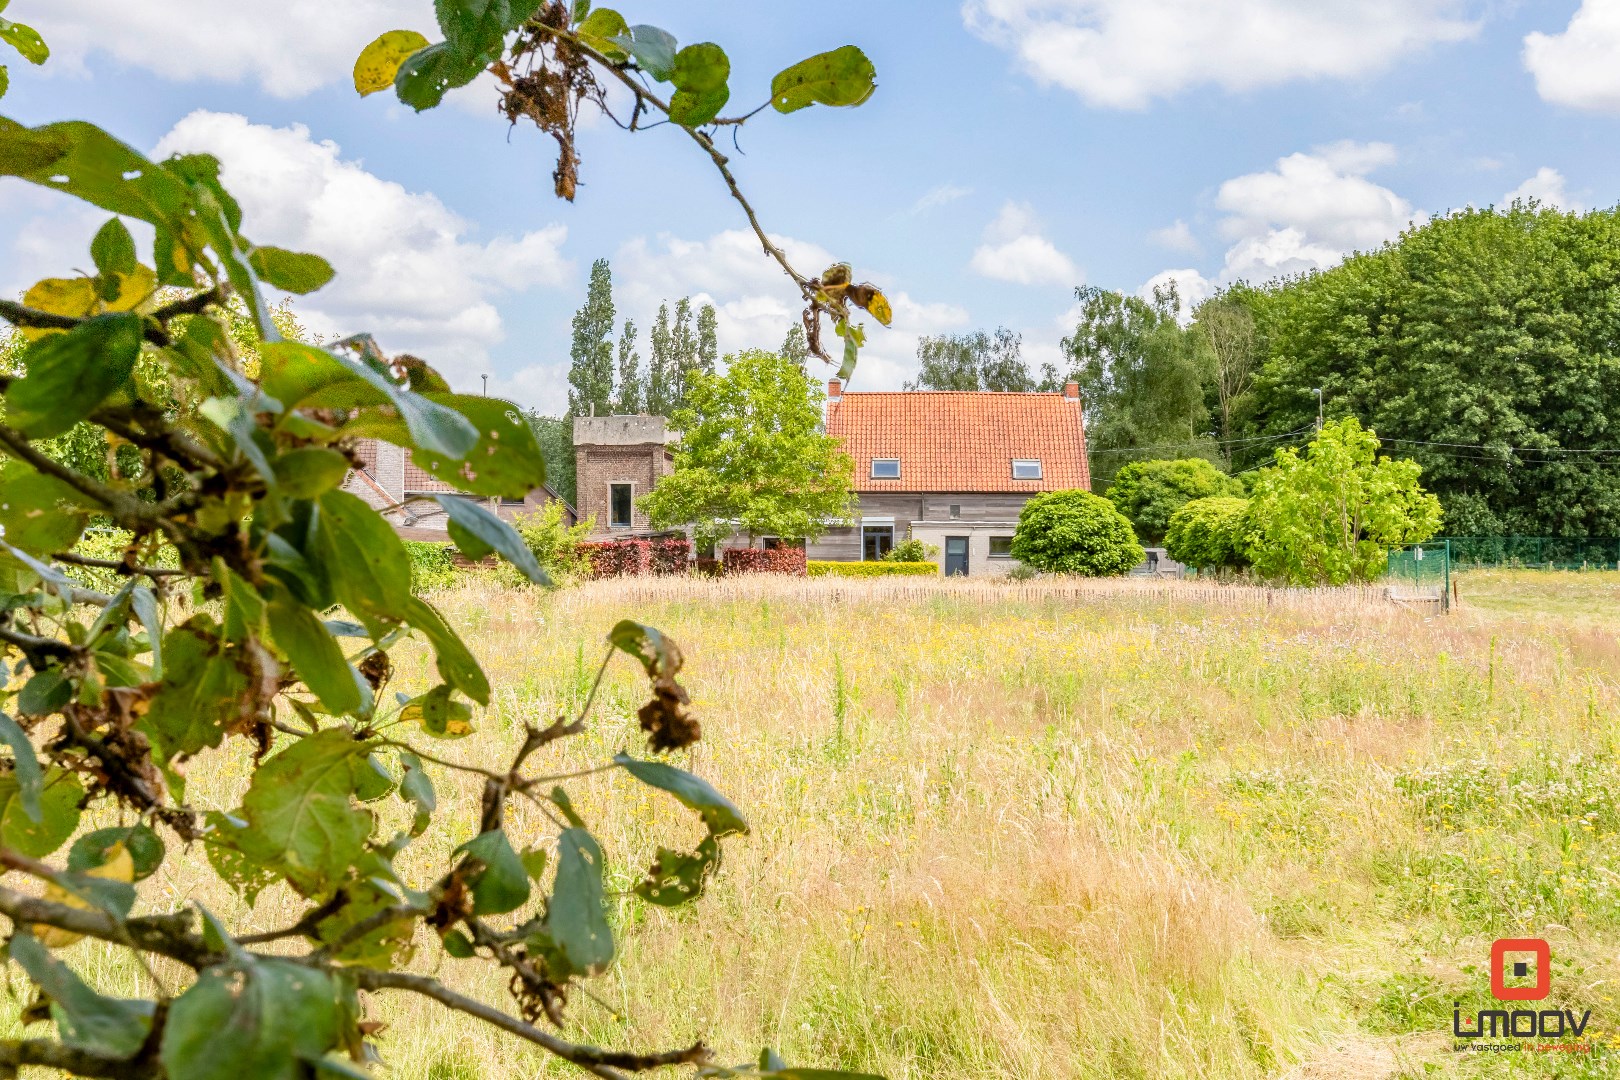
(825, 568)
(433, 566)
(912, 551)
(671, 555)
(1149, 492)
(1208, 534)
(619, 558)
(1076, 532)
(761, 561)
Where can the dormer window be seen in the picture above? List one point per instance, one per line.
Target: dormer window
(1026, 468)
(886, 468)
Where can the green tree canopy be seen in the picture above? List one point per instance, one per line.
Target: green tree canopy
(976, 361)
(1149, 492)
(590, 374)
(1075, 532)
(1209, 533)
(752, 457)
(1482, 345)
(630, 386)
(1333, 514)
(1142, 378)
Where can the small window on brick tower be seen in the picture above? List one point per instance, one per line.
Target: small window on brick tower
(619, 508)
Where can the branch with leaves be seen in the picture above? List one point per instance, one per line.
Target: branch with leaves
(267, 634)
(551, 64)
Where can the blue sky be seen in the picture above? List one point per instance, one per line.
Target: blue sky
(1014, 149)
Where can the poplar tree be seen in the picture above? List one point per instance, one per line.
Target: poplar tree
(661, 367)
(631, 394)
(590, 376)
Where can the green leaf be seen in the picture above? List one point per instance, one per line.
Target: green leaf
(576, 920)
(290, 271)
(456, 665)
(113, 249)
(58, 818)
(144, 603)
(378, 63)
(108, 1027)
(314, 653)
(458, 945)
(5, 80)
(255, 1019)
(202, 685)
(653, 49)
(26, 40)
(427, 74)
(503, 884)
(365, 559)
(676, 878)
(476, 29)
(44, 693)
(40, 514)
(477, 532)
(842, 77)
(69, 374)
(719, 813)
(145, 848)
(600, 29)
(505, 462)
(223, 845)
(439, 715)
(416, 787)
(534, 863)
(699, 76)
(301, 810)
(309, 471)
(657, 653)
(25, 768)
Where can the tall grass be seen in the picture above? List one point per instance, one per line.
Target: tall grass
(1127, 833)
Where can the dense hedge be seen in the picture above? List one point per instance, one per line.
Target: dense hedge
(822, 568)
(433, 566)
(671, 555)
(759, 561)
(619, 558)
(1208, 534)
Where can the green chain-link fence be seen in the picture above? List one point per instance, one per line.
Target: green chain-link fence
(1423, 570)
(1541, 552)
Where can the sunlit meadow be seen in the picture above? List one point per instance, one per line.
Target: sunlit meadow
(1130, 834)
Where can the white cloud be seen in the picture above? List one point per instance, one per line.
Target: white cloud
(1125, 53)
(1547, 188)
(1014, 250)
(1177, 237)
(1580, 67)
(288, 48)
(936, 197)
(407, 269)
(1309, 210)
(1192, 289)
(755, 303)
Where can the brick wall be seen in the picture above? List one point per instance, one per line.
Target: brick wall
(600, 467)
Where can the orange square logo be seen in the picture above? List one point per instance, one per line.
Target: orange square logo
(1500, 965)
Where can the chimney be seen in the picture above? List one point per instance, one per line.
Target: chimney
(1071, 389)
(835, 390)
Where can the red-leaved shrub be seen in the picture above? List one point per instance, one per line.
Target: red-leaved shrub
(671, 555)
(619, 558)
(756, 561)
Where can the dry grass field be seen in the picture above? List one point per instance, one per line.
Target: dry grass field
(1131, 833)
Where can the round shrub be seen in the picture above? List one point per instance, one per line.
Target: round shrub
(1076, 532)
(1148, 492)
(1208, 534)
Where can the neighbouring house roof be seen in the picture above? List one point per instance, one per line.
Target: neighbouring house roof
(950, 441)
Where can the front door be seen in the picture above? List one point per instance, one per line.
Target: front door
(956, 556)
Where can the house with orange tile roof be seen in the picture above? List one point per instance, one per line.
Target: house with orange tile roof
(952, 469)
(390, 481)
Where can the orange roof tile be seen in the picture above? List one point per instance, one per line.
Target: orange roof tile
(962, 441)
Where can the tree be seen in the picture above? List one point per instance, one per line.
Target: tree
(555, 437)
(1148, 492)
(683, 350)
(1333, 515)
(1075, 532)
(1209, 533)
(708, 339)
(1481, 345)
(1225, 327)
(226, 659)
(976, 361)
(794, 347)
(752, 457)
(662, 381)
(1140, 377)
(630, 393)
(590, 375)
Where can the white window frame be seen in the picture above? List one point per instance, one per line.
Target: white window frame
(631, 484)
(1016, 462)
(875, 474)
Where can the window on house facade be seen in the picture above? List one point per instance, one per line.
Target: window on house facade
(1026, 469)
(956, 511)
(1001, 547)
(619, 504)
(876, 542)
(886, 468)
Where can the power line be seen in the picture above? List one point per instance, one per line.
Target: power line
(1202, 442)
